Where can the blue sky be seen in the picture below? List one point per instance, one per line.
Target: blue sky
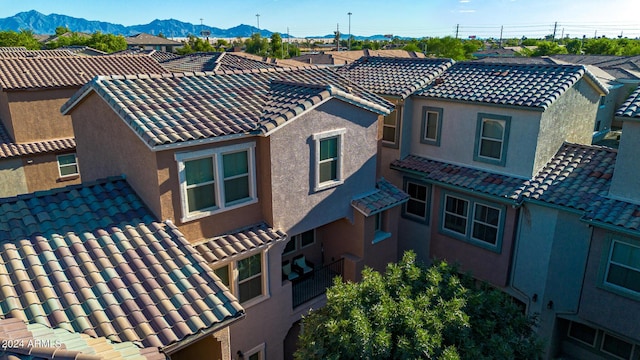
(416, 18)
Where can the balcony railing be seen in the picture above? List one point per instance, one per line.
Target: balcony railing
(316, 283)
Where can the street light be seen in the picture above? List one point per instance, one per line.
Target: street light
(258, 18)
(349, 13)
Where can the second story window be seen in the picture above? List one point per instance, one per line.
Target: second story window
(391, 127)
(492, 135)
(431, 125)
(67, 165)
(328, 159)
(214, 180)
(417, 208)
(623, 267)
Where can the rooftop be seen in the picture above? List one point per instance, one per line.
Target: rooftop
(8, 148)
(631, 107)
(384, 197)
(215, 61)
(237, 242)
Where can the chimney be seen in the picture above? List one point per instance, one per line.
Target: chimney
(625, 184)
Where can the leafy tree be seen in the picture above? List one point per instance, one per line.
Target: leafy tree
(413, 312)
(602, 46)
(62, 30)
(106, 42)
(195, 44)
(451, 48)
(275, 46)
(574, 46)
(256, 44)
(293, 50)
(411, 47)
(23, 38)
(548, 48)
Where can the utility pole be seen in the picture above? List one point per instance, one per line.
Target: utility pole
(337, 38)
(258, 19)
(501, 28)
(288, 40)
(555, 27)
(595, 35)
(457, 30)
(349, 13)
(562, 36)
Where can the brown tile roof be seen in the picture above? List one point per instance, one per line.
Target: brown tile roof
(38, 341)
(347, 57)
(534, 86)
(148, 39)
(270, 60)
(87, 259)
(70, 71)
(242, 241)
(180, 107)
(24, 53)
(384, 197)
(9, 149)
(477, 180)
(220, 62)
(631, 107)
(157, 55)
(394, 76)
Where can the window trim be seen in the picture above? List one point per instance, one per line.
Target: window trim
(468, 236)
(234, 275)
(256, 350)
(317, 138)
(595, 337)
(398, 111)
(379, 225)
(423, 138)
(505, 138)
(604, 335)
(75, 157)
(604, 267)
(427, 201)
(216, 155)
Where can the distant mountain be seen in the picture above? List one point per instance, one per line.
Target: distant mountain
(47, 24)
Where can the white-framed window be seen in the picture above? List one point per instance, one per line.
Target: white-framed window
(492, 134)
(417, 207)
(473, 220)
(616, 347)
(583, 333)
(390, 127)
(257, 353)
(246, 278)
(431, 125)
(67, 165)
(218, 179)
(329, 158)
(623, 267)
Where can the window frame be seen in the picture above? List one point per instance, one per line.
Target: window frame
(506, 121)
(595, 336)
(379, 227)
(256, 350)
(606, 262)
(75, 163)
(427, 201)
(470, 219)
(604, 336)
(216, 156)
(317, 139)
(234, 277)
(423, 129)
(398, 112)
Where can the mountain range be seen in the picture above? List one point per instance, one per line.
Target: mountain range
(47, 24)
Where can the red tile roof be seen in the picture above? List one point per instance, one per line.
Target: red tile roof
(9, 149)
(239, 242)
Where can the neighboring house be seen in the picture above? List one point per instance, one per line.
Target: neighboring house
(152, 42)
(347, 57)
(218, 62)
(270, 174)
(475, 134)
(87, 272)
(496, 53)
(37, 141)
(159, 56)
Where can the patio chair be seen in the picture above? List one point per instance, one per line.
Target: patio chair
(302, 266)
(287, 272)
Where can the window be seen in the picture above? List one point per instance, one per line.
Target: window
(582, 333)
(477, 222)
(417, 208)
(603, 100)
(391, 126)
(214, 180)
(67, 165)
(431, 125)
(300, 241)
(328, 159)
(492, 135)
(379, 228)
(623, 267)
(616, 347)
(244, 277)
(257, 353)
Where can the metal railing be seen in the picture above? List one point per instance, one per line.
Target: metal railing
(316, 283)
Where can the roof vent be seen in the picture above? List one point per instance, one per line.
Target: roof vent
(439, 81)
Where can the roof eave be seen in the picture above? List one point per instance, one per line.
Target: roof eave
(181, 344)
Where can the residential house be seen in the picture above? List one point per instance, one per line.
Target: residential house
(270, 174)
(87, 272)
(219, 62)
(152, 42)
(338, 58)
(36, 141)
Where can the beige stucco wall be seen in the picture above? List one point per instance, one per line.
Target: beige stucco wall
(13, 181)
(5, 112)
(41, 172)
(626, 176)
(35, 115)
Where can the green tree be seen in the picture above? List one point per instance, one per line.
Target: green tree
(62, 30)
(602, 46)
(450, 47)
(548, 48)
(574, 46)
(275, 46)
(195, 44)
(412, 312)
(256, 44)
(23, 38)
(106, 42)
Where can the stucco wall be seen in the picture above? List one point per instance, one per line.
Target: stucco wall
(41, 172)
(106, 146)
(626, 176)
(601, 306)
(570, 118)
(458, 135)
(296, 206)
(13, 181)
(5, 112)
(36, 115)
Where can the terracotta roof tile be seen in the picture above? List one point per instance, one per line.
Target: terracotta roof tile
(55, 72)
(384, 197)
(182, 107)
(7, 53)
(148, 39)
(469, 178)
(631, 107)
(241, 241)
(157, 55)
(118, 281)
(394, 76)
(9, 149)
(526, 85)
(221, 62)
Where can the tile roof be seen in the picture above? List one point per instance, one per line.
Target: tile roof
(270, 60)
(9, 149)
(481, 181)
(24, 53)
(394, 76)
(148, 39)
(384, 197)
(70, 71)
(177, 107)
(87, 259)
(84, 50)
(36, 341)
(242, 241)
(535, 86)
(347, 57)
(157, 55)
(621, 67)
(216, 61)
(631, 107)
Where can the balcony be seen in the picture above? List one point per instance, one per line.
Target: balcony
(316, 283)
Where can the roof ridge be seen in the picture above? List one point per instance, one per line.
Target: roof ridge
(591, 146)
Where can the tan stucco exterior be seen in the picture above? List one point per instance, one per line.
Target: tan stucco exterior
(13, 178)
(42, 173)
